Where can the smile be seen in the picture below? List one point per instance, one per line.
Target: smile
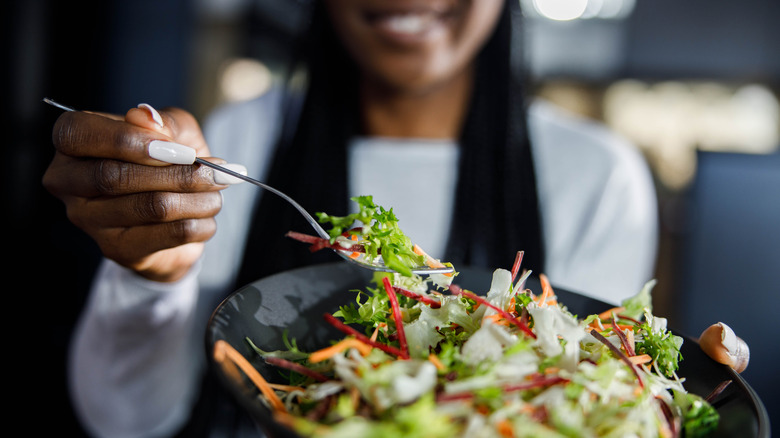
(409, 25)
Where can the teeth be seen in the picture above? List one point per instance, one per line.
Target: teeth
(409, 23)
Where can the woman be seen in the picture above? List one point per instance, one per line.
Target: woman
(398, 92)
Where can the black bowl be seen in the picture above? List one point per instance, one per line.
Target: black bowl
(292, 304)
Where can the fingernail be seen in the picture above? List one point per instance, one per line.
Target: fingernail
(155, 115)
(224, 178)
(729, 339)
(171, 152)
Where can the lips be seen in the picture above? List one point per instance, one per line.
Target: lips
(412, 25)
(409, 24)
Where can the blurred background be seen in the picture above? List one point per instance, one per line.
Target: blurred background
(693, 84)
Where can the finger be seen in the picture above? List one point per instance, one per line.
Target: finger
(146, 116)
(177, 124)
(130, 246)
(143, 209)
(91, 178)
(82, 134)
(169, 264)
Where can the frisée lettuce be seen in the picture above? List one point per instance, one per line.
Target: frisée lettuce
(372, 232)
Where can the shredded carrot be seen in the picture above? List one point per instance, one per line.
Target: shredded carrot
(504, 428)
(285, 388)
(430, 261)
(435, 361)
(354, 396)
(328, 352)
(601, 328)
(547, 292)
(596, 324)
(608, 313)
(355, 254)
(640, 359)
(497, 318)
(285, 418)
(223, 350)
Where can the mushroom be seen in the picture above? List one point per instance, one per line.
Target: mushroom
(721, 344)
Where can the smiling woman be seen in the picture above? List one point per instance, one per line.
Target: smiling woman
(411, 100)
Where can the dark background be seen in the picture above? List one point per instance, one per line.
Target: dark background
(111, 55)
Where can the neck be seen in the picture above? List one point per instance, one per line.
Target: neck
(436, 113)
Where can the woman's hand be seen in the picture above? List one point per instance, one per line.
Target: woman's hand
(145, 214)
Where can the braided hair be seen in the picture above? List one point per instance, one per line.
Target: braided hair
(496, 207)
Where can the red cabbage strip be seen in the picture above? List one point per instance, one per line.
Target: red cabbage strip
(718, 389)
(361, 337)
(623, 339)
(417, 297)
(533, 384)
(536, 383)
(516, 265)
(397, 316)
(521, 325)
(619, 354)
(628, 318)
(317, 243)
(293, 366)
(669, 417)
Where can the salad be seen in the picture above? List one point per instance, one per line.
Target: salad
(424, 357)
(373, 233)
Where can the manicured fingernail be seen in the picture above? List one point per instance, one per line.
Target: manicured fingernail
(729, 339)
(155, 115)
(171, 152)
(225, 178)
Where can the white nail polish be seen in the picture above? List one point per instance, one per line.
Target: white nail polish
(224, 178)
(155, 115)
(171, 152)
(728, 339)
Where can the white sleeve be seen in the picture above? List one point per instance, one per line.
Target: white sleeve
(599, 207)
(132, 369)
(613, 254)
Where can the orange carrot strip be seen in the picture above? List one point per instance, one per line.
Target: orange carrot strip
(355, 254)
(223, 350)
(436, 362)
(328, 352)
(497, 318)
(640, 359)
(504, 429)
(285, 388)
(608, 313)
(430, 261)
(547, 290)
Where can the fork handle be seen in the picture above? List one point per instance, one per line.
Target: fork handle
(279, 193)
